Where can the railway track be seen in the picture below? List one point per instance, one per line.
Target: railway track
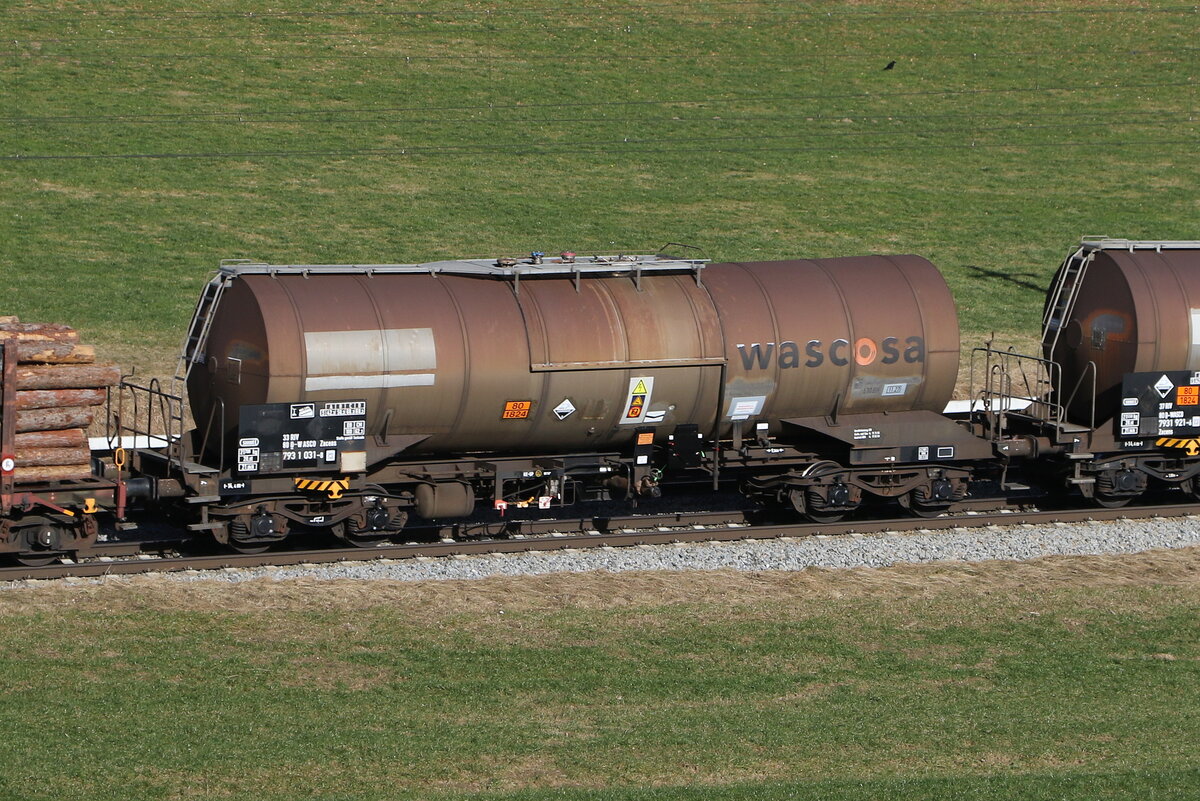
(546, 535)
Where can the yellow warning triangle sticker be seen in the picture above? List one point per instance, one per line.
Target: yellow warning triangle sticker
(640, 389)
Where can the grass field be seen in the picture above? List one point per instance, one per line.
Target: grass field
(142, 143)
(1069, 678)
(138, 146)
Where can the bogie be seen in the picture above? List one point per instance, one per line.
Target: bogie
(35, 540)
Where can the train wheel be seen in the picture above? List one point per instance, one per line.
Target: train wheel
(249, 548)
(920, 509)
(825, 517)
(36, 558)
(251, 534)
(346, 532)
(932, 499)
(1113, 501)
(43, 538)
(1191, 488)
(1117, 488)
(365, 529)
(824, 504)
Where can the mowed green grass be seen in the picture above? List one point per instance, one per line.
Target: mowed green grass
(1075, 679)
(141, 145)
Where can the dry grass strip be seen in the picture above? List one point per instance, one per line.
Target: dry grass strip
(437, 600)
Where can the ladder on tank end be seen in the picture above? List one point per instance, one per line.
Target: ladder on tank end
(197, 336)
(1063, 295)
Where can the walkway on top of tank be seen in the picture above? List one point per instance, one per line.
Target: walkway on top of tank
(536, 263)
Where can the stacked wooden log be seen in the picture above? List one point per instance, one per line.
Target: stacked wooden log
(58, 389)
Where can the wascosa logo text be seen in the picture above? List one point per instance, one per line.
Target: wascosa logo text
(866, 351)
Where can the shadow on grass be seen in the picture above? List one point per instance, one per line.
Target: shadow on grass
(1016, 279)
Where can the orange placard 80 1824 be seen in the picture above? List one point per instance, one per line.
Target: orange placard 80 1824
(516, 410)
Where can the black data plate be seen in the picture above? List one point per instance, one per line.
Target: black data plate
(292, 437)
(1164, 404)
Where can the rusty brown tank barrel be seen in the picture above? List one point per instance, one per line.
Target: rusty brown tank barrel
(562, 361)
(815, 337)
(1137, 309)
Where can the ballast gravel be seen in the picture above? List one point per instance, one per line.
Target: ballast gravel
(1011, 543)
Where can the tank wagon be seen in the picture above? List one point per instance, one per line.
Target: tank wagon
(352, 398)
(1121, 333)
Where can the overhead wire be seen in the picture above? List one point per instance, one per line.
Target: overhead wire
(539, 150)
(605, 145)
(114, 39)
(508, 106)
(487, 18)
(835, 116)
(567, 8)
(575, 57)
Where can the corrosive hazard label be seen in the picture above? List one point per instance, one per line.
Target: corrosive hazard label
(516, 410)
(640, 390)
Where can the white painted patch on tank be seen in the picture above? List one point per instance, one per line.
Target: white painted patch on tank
(369, 359)
(321, 382)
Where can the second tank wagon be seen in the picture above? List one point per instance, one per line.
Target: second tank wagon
(1122, 307)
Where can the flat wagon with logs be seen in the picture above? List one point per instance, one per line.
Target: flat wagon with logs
(50, 391)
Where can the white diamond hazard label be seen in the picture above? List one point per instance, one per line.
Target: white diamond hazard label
(564, 410)
(1163, 386)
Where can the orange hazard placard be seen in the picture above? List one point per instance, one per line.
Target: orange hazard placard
(1187, 396)
(516, 410)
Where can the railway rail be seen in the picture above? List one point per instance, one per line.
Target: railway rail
(125, 558)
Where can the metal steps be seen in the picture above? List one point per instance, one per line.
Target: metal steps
(1063, 295)
(197, 336)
